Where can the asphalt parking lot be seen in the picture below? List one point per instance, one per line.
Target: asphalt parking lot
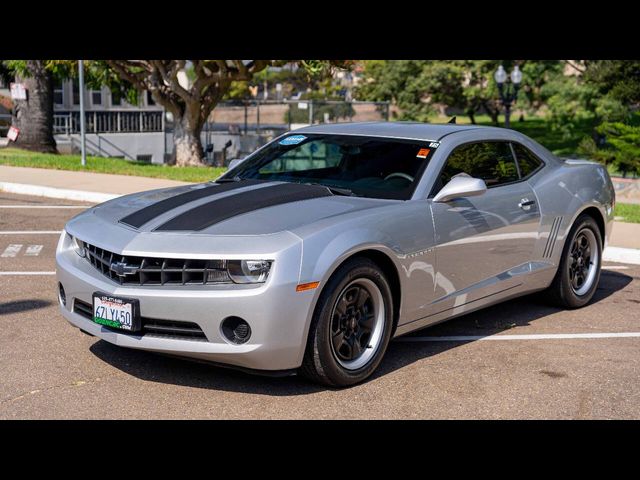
(533, 366)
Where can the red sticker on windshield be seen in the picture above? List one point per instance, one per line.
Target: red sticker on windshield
(422, 153)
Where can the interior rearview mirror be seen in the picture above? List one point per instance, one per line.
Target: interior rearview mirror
(459, 187)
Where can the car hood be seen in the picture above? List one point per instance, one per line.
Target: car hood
(245, 208)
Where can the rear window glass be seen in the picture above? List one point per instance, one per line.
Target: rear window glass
(527, 161)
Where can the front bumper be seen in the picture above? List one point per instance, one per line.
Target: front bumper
(278, 315)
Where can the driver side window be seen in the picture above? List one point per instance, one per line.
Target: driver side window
(493, 162)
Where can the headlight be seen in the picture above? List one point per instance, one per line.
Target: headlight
(78, 246)
(248, 271)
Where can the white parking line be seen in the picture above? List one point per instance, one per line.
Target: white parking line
(615, 267)
(33, 250)
(30, 232)
(621, 255)
(26, 273)
(539, 336)
(12, 250)
(45, 206)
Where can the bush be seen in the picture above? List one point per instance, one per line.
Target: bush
(618, 144)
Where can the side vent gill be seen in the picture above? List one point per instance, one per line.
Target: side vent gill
(551, 240)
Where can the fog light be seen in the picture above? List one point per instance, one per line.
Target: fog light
(236, 330)
(61, 295)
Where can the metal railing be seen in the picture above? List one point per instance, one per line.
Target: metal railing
(113, 121)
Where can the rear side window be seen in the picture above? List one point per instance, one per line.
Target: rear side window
(527, 161)
(493, 162)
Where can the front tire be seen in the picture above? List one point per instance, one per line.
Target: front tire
(579, 271)
(351, 326)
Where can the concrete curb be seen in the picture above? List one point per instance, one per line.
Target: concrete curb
(63, 193)
(621, 255)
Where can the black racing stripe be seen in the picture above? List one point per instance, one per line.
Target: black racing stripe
(146, 214)
(216, 211)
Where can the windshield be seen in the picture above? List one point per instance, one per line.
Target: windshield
(358, 165)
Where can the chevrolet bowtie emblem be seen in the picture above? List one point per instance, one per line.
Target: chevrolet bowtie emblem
(121, 269)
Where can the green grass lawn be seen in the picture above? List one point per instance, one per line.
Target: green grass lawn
(22, 158)
(628, 211)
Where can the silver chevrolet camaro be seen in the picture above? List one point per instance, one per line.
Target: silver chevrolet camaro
(313, 252)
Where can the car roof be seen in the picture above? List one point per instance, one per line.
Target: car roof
(412, 130)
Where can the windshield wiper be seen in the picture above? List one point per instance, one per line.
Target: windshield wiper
(335, 190)
(229, 180)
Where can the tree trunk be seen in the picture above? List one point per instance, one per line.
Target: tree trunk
(472, 116)
(186, 139)
(34, 116)
(493, 113)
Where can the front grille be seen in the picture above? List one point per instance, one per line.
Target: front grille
(150, 326)
(156, 271)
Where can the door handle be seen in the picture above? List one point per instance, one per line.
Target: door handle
(525, 203)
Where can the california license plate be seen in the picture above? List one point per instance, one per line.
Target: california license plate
(116, 312)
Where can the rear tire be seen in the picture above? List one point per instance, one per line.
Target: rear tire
(579, 270)
(351, 326)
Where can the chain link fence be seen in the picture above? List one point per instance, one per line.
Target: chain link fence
(255, 115)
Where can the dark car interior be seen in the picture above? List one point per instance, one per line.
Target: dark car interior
(361, 164)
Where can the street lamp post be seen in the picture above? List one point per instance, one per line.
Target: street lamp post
(508, 89)
(83, 141)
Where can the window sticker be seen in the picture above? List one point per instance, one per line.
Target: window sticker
(434, 144)
(292, 140)
(423, 153)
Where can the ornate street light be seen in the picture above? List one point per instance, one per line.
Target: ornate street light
(508, 89)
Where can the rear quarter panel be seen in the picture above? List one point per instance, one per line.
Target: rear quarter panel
(564, 191)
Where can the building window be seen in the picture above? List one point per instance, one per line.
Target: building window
(150, 100)
(116, 98)
(76, 93)
(58, 97)
(96, 97)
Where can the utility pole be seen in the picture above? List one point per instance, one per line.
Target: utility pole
(83, 144)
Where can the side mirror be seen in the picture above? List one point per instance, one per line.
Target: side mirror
(235, 162)
(458, 187)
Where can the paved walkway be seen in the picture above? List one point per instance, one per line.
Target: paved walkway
(626, 235)
(88, 181)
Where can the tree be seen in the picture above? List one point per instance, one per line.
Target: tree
(396, 81)
(191, 104)
(617, 79)
(418, 86)
(619, 146)
(536, 75)
(34, 116)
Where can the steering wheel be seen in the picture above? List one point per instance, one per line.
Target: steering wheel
(399, 174)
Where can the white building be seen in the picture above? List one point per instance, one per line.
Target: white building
(114, 127)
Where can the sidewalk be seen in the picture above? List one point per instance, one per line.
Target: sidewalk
(625, 235)
(73, 185)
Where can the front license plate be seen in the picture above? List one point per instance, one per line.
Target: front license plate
(116, 312)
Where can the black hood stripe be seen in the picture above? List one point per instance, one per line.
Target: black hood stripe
(216, 211)
(146, 214)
